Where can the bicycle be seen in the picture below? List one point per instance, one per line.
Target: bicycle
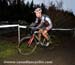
(25, 49)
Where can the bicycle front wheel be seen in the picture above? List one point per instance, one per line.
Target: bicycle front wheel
(24, 49)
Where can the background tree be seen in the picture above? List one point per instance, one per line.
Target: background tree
(18, 10)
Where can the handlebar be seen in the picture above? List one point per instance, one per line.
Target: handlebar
(33, 28)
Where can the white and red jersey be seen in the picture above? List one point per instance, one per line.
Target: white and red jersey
(45, 20)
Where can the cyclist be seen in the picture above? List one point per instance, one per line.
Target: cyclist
(43, 22)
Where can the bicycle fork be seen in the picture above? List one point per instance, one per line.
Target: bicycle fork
(31, 40)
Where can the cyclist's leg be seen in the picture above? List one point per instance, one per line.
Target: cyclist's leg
(39, 34)
(45, 34)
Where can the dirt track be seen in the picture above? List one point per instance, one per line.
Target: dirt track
(60, 55)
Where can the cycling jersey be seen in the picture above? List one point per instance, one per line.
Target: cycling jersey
(43, 22)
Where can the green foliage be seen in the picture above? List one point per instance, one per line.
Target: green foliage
(7, 49)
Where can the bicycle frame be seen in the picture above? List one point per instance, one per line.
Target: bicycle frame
(33, 36)
(37, 38)
(32, 47)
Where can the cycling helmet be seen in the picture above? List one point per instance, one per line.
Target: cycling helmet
(38, 9)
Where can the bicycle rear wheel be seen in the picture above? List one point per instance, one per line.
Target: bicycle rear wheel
(53, 42)
(44, 41)
(24, 49)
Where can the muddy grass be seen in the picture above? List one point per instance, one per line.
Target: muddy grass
(62, 54)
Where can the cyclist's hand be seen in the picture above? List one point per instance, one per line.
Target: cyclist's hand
(32, 25)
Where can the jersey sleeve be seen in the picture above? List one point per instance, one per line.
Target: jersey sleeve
(49, 21)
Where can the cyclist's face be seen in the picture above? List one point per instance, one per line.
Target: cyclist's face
(38, 13)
